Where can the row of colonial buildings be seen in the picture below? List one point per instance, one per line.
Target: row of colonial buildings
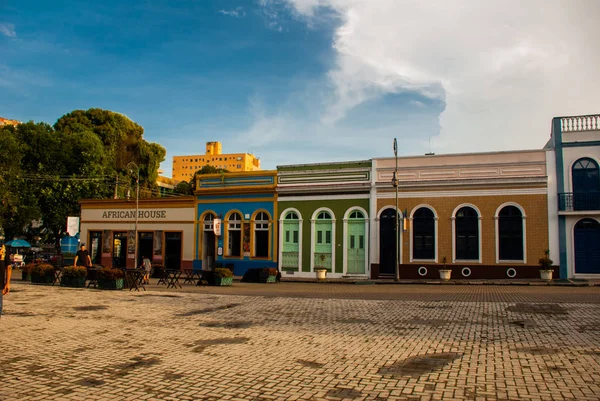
(483, 215)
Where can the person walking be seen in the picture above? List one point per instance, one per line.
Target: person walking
(5, 273)
(82, 258)
(147, 266)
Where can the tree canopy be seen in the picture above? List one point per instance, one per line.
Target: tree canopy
(45, 170)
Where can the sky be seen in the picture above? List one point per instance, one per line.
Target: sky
(307, 81)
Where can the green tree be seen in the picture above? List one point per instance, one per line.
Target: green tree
(208, 169)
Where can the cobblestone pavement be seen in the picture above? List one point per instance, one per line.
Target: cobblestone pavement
(283, 342)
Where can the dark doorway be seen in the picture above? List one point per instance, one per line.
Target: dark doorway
(120, 250)
(387, 242)
(146, 246)
(586, 184)
(95, 247)
(173, 251)
(208, 250)
(587, 247)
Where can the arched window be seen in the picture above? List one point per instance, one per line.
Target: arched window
(261, 235)
(585, 176)
(423, 234)
(586, 184)
(467, 234)
(357, 214)
(234, 235)
(209, 222)
(510, 233)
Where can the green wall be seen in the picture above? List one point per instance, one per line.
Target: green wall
(339, 208)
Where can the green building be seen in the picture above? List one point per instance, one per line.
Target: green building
(323, 219)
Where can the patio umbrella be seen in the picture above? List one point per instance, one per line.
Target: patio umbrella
(18, 243)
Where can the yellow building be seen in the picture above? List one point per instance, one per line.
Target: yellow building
(184, 167)
(6, 121)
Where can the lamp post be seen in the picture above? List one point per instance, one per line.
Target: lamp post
(395, 184)
(137, 206)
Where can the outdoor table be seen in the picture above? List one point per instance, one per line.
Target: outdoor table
(191, 276)
(172, 277)
(92, 276)
(134, 279)
(57, 274)
(163, 278)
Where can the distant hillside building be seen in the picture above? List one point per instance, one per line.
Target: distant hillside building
(184, 167)
(6, 121)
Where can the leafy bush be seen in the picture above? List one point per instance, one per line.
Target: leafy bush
(28, 268)
(42, 269)
(223, 272)
(110, 274)
(74, 271)
(269, 271)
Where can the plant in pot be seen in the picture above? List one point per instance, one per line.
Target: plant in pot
(444, 272)
(73, 276)
(42, 273)
(268, 275)
(546, 266)
(26, 271)
(222, 276)
(320, 269)
(110, 279)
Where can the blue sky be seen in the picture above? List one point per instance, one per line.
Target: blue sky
(297, 81)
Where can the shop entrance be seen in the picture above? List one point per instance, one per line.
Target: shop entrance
(173, 251)
(120, 250)
(95, 247)
(146, 246)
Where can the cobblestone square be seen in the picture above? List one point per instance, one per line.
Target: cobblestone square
(302, 341)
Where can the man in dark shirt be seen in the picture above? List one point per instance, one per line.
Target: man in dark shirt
(5, 271)
(82, 258)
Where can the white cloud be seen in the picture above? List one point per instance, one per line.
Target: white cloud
(504, 68)
(238, 12)
(8, 30)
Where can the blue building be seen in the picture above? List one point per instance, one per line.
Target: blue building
(234, 220)
(574, 195)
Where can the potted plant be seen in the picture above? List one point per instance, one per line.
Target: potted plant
(42, 273)
(320, 269)
(268, 275)
(222, 276)
(444, 272)
(546, 266)
(26, 271)
(110, 279)
(73, 276)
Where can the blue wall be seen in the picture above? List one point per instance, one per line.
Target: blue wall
(222, 206)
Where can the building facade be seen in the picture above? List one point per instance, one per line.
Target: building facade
(324, 219)
(165, 231)
(574, 157)
(235, 221)
(483, 215)
(184, 167)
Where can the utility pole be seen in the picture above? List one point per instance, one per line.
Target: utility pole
(395, 184)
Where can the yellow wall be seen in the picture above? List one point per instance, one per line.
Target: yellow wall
(184, 167)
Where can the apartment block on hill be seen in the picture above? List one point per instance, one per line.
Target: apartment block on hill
(184, 167)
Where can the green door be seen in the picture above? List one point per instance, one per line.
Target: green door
(290, 252)
(323, 242)
(355, 251)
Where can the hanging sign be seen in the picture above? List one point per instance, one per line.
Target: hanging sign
(217, 227)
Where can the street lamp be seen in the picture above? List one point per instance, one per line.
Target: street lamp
(395, 184)
(137, 207)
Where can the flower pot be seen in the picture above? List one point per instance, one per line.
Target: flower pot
(76, 282)
(42, 279)
(445, 274)
(116, 284)
(321, 274)
(546, 274)
(222, 281)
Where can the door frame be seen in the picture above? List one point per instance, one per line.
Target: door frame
(400, 238)
(281, 234)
